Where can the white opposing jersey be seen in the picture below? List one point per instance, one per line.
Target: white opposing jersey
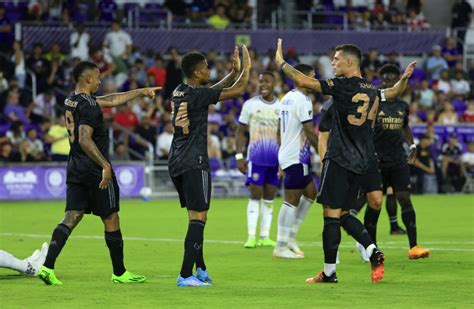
(261, 117)
(296, 109)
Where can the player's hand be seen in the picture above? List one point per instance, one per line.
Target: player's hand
(280, 173)
(246, 61)
(409, 70)
(106, 177)
(242, 166)
(150, 91)
(236, 60)
(279, 53)
(411, 156)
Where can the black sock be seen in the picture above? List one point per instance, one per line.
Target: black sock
(192, 246)
(115, 243)
(391, 206)
(409, 219)
(331, 239)
(200, 257)
(359, 204)
(356, 229)
(58, 240)
(370, 222)
(408, 216)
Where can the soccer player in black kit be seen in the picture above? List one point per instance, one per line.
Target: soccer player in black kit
(391, 131)
(188, 161)
(91, 183)
(350, 152)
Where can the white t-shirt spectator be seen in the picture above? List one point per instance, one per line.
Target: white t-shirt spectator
(460, 86)
(79, 49)
(468, 158)
(15, 140)
(163, 142)
(44, 107)
(35, 147)
(117, 42)
(443, 86)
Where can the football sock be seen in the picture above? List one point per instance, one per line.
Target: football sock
(408, 216)
(114, 242)
(286, 219)
(252, 217)
(391, 206)
(200, 257)
(266, 215)
(9, 261)
(356, 229)
(301, 212)
(370, 222)
(192, 246)
(331, 240)
(359, 204)
(58, 240)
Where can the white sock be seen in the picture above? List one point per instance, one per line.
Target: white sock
(9, 261)
(301, 212)
(286, 218)
(266, 218)
(329, 269)
(252, 217)
(370, 249)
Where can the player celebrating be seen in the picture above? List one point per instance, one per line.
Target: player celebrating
(259, 116)
(350, 150)
(29, 266)
(296, 133)
(91, 183)
(188, 161)
(391, 131)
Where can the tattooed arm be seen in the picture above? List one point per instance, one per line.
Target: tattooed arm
(116, 99)
(91, 150)
(300, 79)
(229, 79)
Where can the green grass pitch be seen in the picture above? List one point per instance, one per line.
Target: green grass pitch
(154, 233)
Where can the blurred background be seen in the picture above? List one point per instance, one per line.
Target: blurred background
(140, 44)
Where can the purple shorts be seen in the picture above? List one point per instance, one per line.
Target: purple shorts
(297, 176)
(260, 175)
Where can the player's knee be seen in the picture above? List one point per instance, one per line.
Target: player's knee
(111, 222)
(375, 201)
(404, 199)
(72, 218)
(332, 213)
(197, 215)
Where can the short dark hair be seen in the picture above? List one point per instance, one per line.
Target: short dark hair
(351, 50)
(81, 67)
(304, 68)
(269, 73)
(389, 68)
(190, 61)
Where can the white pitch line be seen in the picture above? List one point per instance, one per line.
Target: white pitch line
(236, 242)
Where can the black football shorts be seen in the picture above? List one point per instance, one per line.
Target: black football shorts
(194, 189)
(397, 177)
(370, 181)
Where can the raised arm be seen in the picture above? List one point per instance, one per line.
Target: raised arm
(91, 150)
(401, 85)
(116, 99)
(229, 79)
(300, 79)
(238, 88)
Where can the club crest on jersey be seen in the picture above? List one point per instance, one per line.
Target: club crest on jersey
(255, 176)
(381, 113)
(400, 113)
(330, 83)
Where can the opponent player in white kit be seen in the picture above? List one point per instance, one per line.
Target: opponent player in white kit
(296, 135)
(259, 116)
(29, 266)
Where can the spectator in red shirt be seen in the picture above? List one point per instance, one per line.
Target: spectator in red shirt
(159, 71)
(469, 112)
(125, 117)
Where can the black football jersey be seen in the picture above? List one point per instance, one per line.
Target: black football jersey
(355, 104)
(82, 109)
(325, 121)
(190, 106)
(392, 118)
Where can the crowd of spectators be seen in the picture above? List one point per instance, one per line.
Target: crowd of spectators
(33, 128)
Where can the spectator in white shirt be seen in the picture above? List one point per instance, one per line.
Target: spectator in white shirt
(443, 83)
(79, 42)
(32, 148)
(44, 107)
(118, 41)
(163, 142)
(460, 86)
(467, 160)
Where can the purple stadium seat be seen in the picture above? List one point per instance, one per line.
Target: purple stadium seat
(459, 106)
(152, 13)
(215, 164)
(418, 75)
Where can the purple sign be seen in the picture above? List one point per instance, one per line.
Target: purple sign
(49, 182)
